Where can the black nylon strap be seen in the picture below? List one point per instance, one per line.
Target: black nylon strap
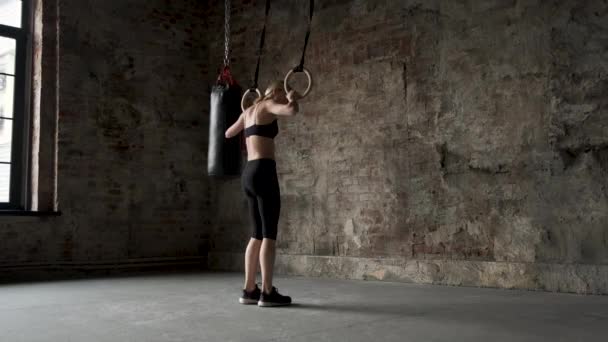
(300, 67)
(261, 48)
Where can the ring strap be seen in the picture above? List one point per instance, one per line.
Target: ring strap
(261, 47)
(300, 67)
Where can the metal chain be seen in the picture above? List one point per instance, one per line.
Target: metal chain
(227, 33)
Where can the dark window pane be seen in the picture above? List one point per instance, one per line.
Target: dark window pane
(7, 95)
(5, 182)
(8, 47)
(6, 136)
(10, 12)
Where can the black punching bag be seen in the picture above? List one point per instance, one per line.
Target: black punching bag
(224, 155)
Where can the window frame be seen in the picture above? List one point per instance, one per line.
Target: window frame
(19, 143)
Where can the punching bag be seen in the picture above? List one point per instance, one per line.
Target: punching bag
(224, 155)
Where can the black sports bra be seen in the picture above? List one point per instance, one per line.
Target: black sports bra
(269, 130)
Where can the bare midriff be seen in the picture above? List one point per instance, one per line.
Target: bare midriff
(259, 147)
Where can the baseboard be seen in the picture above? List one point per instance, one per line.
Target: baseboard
(572, 278)
(76, 269)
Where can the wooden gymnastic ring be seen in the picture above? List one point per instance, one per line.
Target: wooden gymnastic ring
(290, 73)
(247, 93)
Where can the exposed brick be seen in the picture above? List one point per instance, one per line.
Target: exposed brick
(446, 130)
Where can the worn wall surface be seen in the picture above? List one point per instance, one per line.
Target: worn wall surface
(132, 140)
(450, 142)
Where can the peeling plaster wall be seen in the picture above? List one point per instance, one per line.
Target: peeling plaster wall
(449, 142)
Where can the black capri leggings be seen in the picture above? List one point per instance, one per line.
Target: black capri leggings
(261, 185)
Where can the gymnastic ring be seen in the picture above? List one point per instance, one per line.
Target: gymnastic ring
(291, 72)
(247, 93)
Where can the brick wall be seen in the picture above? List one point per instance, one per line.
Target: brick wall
(452, 142)
(445, 142)
(132, 140)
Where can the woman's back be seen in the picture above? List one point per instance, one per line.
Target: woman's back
(259, 121)
(260, 128)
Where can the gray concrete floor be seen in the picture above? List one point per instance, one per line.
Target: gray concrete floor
(203, 307)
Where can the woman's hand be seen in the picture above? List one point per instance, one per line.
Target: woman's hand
(293, 96)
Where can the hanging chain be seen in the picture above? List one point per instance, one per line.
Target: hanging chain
(227, 33)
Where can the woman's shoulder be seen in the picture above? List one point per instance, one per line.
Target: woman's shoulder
(265, 108)
(259, 112)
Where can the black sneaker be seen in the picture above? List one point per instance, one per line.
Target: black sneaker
(274, 298)
(250, 297)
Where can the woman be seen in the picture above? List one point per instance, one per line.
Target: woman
(261, 186)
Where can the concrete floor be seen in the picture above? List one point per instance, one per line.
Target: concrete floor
(203, 307)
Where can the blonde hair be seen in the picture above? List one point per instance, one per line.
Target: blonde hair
(270, 91)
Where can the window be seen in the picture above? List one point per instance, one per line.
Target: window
(14, 36)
